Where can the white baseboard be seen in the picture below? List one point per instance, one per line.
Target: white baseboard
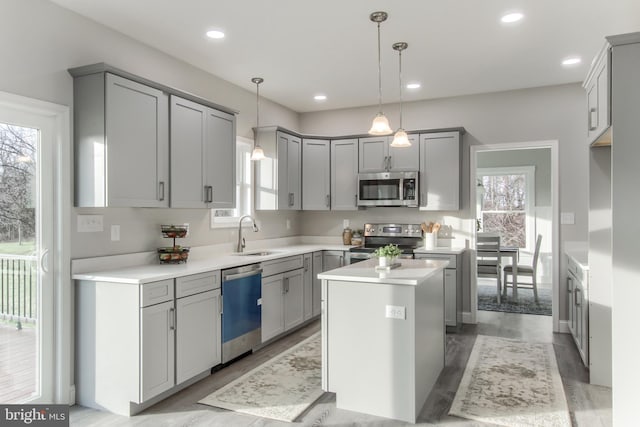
(467, 318)
(563, 327)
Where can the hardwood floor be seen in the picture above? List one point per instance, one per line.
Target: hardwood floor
(589, 405)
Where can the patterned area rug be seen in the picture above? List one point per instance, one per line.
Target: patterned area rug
(281, 389)
(512, 383)
(525, 304)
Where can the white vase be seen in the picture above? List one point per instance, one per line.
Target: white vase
(384, 261)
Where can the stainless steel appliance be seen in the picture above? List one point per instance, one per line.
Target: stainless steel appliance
(388, 189)
(241, 310)
(406, 236)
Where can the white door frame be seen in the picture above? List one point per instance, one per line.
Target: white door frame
(555, 215)
(57, 118)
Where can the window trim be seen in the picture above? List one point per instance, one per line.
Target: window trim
(529, 172)
(243, 145)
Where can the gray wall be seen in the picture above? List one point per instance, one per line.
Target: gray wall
(40, 41)
(537, 114)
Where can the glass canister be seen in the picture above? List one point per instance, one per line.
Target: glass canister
(346, 236)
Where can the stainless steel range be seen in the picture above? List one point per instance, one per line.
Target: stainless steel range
(406, 236)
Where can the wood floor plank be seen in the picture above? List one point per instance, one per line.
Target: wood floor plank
(589, 405)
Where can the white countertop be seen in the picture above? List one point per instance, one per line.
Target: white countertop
(141, 274)
(440, 250)
(580, 256)
(411, 272)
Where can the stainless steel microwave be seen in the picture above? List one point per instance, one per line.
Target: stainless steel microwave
(388, 189)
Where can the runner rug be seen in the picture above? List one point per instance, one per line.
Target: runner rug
(281, 389)
(512, 383)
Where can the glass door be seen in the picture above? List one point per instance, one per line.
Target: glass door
(26, 235)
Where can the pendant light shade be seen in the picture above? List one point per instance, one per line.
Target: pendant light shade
(380, 125)
(400, 139)
(258, 152)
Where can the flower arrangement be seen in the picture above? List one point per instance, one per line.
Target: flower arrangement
(389, 251)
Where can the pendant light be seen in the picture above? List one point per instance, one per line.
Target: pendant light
(400, 139)
(380, 125)
(258, 152)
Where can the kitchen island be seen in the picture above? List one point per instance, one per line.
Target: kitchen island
(383, 336)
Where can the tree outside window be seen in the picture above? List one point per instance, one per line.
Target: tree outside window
(505, 202)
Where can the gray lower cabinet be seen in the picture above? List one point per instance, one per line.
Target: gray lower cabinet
(316, 176)
(344, 175)
(332, 260)
(157, 349)
(121, 148)
(137, 344)
(316, 287)
(440, 171)
(577, 288)
(452, 286)
(202, 156)
(198, 324)
(282, 295)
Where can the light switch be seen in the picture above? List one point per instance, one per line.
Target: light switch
(90, 223)
(567, 218)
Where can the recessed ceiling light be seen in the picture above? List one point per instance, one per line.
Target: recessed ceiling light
(510, 18)
(572, 61)
(215, 34)
(320, 97)
(413, 85)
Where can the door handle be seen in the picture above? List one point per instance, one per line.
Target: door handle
(172, 319)
(575, 298)
(161, 190)
(591, 126)
(43, 264)
(328, 200)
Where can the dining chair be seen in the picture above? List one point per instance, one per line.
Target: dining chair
(488, 258)
(526, 271)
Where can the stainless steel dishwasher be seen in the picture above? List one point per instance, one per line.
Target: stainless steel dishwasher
(241, 310)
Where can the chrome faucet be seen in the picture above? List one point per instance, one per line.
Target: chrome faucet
(241, 243)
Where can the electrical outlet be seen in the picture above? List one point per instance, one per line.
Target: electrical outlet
(395, 312)
(115, 233)
(90, 223)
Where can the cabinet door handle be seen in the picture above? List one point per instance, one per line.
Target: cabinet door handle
(285, 288)
(328, 200)
(172, 319)
(569, 285)
(355, 200)
(290, 199)
(575, 297)
(208, 194)
(306, 264)
(161, 190)
(591, 121)
(220, 305)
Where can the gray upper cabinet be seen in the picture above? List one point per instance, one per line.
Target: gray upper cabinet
(597, 86)
(344, 175)
(316, 177)
(121, 143)
(202, 156)
(440, 171)
(279, 175)
(377, 155)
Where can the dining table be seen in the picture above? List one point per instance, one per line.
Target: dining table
(512, 252)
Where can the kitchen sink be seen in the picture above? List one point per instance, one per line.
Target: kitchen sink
(255, 253)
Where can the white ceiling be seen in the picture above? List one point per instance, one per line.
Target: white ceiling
(305, 47)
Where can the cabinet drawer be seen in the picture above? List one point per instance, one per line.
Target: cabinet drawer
(440, 257)
(196, 283)
(156, 292)
(281, 265)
